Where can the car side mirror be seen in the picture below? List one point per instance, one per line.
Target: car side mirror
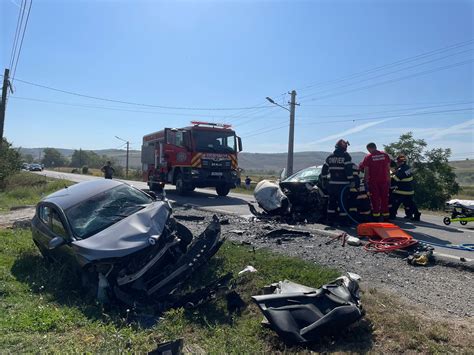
(56, 242)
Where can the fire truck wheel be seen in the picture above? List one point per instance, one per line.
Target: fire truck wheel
(222, 190)
(180, 187)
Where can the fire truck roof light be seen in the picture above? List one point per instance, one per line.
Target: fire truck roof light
(199, 123)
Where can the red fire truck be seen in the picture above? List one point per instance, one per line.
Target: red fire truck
(201, 155)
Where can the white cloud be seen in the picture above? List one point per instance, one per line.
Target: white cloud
(350, 131)
(461, 128)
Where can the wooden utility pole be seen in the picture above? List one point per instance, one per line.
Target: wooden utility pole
(3, 104)
(291, 138)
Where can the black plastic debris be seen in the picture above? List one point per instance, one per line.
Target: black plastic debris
(189, 218)
(301, 314)
(174, 347)
(287, 233)
(235, 303)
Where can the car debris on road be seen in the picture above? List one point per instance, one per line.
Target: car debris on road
(302, 314)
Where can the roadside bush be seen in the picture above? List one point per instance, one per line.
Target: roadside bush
(10, 161)
(85, 169)
(435, 178)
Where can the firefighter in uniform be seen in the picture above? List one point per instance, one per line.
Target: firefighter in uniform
(364, 210)
(352, 204)
(338, 170)
(404, 191)
(376, 167)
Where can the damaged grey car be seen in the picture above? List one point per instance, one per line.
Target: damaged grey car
(124, 243)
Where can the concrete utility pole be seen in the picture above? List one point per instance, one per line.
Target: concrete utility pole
(128, 149)
(126, 162)
(3, 104)
(291, 138)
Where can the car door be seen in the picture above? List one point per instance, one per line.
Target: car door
(53, 225)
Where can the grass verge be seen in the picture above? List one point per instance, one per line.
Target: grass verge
(26, 188)
(42, 309)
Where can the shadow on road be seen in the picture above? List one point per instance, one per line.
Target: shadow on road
(407, 225)
(206, 199)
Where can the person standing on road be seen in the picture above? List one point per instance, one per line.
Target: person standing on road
(247, 182)
(376, 166)
(403, 190)
(338, 170)
(108, 170)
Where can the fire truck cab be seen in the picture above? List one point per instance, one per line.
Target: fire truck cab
(201, 155)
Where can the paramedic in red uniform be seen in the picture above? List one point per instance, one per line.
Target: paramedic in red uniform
(376, 166)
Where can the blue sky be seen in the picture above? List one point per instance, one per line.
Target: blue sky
(232, 54)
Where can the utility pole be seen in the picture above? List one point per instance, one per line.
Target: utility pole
(128, 148)
(126, 162)
(291, 138)
(3, 104)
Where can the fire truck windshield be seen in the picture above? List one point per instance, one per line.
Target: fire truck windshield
(214, 141)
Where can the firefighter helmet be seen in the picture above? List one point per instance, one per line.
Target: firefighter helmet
(401, 158)
(342, 144)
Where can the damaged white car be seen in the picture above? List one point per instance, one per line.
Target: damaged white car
(125, 244)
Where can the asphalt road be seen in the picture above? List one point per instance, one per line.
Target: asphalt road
(430, 228)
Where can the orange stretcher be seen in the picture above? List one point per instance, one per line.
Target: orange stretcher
(382, 231)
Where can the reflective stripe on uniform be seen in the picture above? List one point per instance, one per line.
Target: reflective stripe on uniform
(338, 182)
(331, 211)
(343, 214)
(353, 189)
(348, 162)
(385, 214)
(376, 214)
(365, 212)
(406, 193)
(353, 209)
(336, 168)
(408, 179)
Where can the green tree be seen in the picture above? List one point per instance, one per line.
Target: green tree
(81, 158)
(28, 158)
(435, 178)
(52, 158)
(10, 160)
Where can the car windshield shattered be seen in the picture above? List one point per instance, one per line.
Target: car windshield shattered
(103, 210)
(306, 175)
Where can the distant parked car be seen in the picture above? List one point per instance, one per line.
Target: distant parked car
(35, 167)
(25, 166)
(121, 240)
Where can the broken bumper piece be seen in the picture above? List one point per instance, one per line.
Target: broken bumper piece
(169, 268)
(301, 314)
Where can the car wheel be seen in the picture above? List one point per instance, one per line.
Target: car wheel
(223, 190)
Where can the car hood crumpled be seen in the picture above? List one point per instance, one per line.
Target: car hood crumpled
(126, 236)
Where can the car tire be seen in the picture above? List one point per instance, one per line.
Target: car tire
(222, 190)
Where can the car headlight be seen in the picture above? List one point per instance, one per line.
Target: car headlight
(234, 173)
(194, 172)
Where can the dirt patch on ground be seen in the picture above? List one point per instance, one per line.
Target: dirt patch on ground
(18, 217)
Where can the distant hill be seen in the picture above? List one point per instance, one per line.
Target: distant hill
(248, 161)
(464, 170)
(118, 155)
(277, 161)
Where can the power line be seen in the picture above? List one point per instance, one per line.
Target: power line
(392, 72)
(395, 79)
(398, 62)
(140, 104)
(22, 38)
(359, 119)
(21, 12)
(115, 108)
